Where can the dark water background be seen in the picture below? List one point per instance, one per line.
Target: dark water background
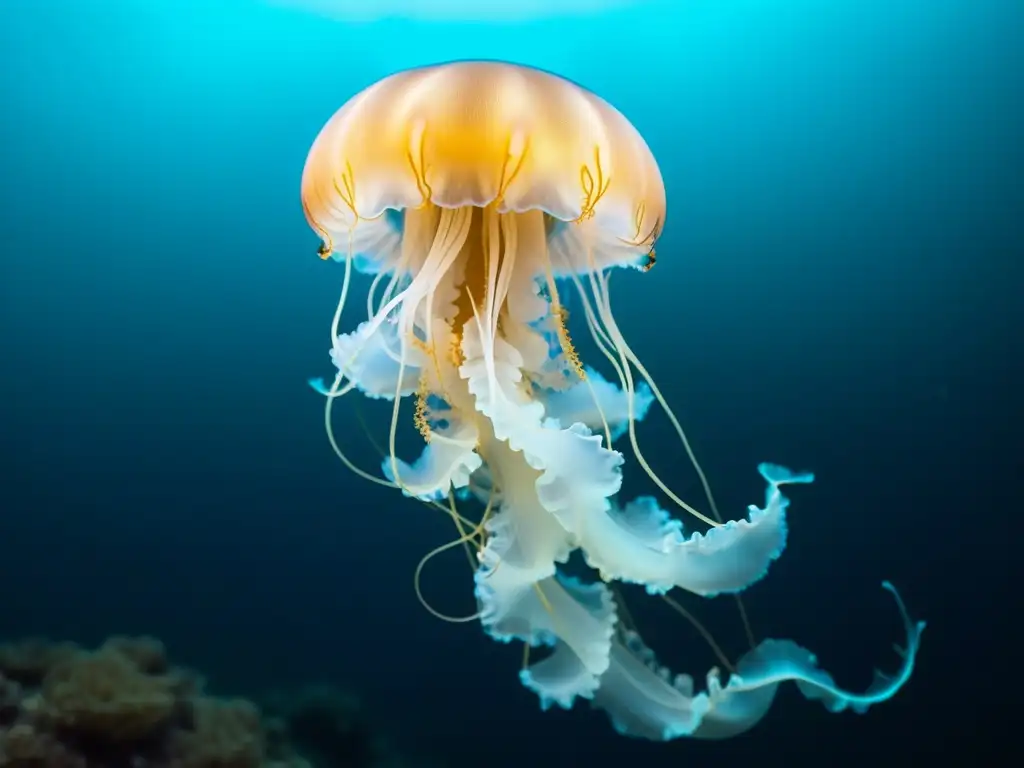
(839, 288)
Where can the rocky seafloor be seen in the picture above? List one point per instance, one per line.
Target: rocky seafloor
(125, 705)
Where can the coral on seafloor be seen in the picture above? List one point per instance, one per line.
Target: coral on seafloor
(123, 705)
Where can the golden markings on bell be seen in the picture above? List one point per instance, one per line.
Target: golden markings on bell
(511, 153)
(647, 240)
(348, 195)
(638, 220)
(593, 189)
(418, 163)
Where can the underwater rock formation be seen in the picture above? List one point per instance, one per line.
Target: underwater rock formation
(123, 705)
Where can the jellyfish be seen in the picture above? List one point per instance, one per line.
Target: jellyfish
(479, 195)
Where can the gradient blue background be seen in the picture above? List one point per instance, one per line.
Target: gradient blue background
(838, 288)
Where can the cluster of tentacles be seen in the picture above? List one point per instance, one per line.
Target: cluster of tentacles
(476, 337)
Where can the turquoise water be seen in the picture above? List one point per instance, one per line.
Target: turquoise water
(837, 287)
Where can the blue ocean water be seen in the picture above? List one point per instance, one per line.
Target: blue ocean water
(838, 288)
